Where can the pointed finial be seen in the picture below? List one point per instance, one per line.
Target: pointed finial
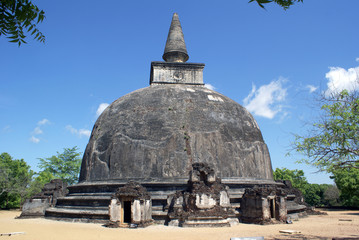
(175, 50)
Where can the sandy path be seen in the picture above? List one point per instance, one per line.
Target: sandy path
(314, 227)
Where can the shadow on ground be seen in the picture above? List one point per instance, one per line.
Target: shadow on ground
(355, 214)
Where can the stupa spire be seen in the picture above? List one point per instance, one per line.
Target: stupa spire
(175, 50)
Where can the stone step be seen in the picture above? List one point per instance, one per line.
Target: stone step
(206, 223)
(85, 208)
(291, 196)
(235, 205)
(205, 218)
(91, 194)
(158, 196)
(77, 211)
(154, 195)
(82, 197)
(293, 208)
(157, 208)
(159, 213)
(77, 214)
(84, 201)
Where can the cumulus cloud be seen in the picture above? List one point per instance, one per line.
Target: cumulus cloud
(340, 79)
(43, 122)
(34, 139)
(101, 108)
(209, 86)
(265, 101)
(311, 88)
(37, 130)
(79, 132)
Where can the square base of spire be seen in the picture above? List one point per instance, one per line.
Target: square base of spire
(176, 73)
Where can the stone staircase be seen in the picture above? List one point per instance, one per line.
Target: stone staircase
(89, 202)
(85, 207)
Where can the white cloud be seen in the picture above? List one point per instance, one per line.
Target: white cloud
(79, 132)
(71, 129)
(101, 108)
(34, 139)
(265, 101)
(209, 86)
(357, 59)
(84, 132)
(37, 131)
(340, 79)
(311, 88)
(43, 122)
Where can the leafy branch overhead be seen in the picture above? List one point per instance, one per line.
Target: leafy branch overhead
(285, 4)
(18, 17)
(334, 141)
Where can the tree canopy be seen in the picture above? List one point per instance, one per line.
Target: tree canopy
(314, 194)
(333, 142)
(15, 177)
(18, 17)
(296, 176)
(64, 166)
(347, 180)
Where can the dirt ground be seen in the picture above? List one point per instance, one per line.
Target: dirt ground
(335, 224)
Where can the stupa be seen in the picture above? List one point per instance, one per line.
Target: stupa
(154, 135)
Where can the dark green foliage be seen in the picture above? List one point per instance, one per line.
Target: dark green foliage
(322, 195)
(15, 177)
(285, 4)
(319, 195)
(331, 196)
(347, 180)
(18, 17)
(17, 181)
(64, 166)
(295, 176)
(313, 194)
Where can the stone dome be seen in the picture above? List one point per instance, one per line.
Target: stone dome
(157, 132)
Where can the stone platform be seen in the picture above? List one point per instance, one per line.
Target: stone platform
(89, 202)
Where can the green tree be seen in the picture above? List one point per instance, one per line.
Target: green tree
(18, 17)
(333, 142)
(347, 180)
(295, 176)
(331, 196)
(38, 183)
(314, 194)
(15, 177)
(65, 165)
(285, 4)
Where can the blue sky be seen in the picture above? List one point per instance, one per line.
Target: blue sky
(272, 61)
